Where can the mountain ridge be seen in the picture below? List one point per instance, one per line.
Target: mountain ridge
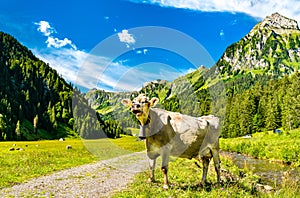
(272, 46)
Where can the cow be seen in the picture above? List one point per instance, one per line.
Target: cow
(174, 134)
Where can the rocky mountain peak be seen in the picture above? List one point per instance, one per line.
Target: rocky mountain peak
(277, 21)
(271, 47)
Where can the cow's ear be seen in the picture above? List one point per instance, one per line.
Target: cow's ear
(153, 101)
(127, 102)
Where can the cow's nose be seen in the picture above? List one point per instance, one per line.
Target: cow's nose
(136, 106)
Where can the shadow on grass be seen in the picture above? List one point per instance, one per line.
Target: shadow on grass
(208, 187)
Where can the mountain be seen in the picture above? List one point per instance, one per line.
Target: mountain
(271, 47)
(253, 87)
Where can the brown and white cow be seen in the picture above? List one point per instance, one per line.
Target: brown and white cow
(169, 133)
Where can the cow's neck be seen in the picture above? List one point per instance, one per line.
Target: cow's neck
(144, 120)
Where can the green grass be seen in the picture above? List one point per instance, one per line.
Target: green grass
(129, 143)
(63, 131)
(44, 157)
(39, 158)
(267, 145)
(185, 179)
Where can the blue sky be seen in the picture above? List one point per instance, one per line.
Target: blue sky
(120, 44)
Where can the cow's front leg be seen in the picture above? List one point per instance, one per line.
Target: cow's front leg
(165, 161)
(152, 163)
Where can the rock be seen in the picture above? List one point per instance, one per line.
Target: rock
(61, 139)
(264, 188)
(279, 22)
(268, 188)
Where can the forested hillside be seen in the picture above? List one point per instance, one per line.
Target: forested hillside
(33, 96)
(36, 102)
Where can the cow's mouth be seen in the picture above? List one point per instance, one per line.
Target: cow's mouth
(137, 111)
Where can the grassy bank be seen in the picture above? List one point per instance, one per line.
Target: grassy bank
(267, 145)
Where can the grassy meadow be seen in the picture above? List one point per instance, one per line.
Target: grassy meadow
(43, 157)
(36, 158)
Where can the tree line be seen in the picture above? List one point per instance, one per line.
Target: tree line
(263, 107)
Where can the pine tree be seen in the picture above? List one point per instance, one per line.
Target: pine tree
(35, 124)
(18, 131)
(3, 126)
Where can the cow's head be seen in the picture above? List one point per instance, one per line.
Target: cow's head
(140, 106)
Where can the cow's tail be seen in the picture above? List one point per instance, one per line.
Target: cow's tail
(211, 139)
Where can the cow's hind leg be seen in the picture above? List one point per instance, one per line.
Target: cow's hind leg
(152, 163)
(205, 161)
(217, 161)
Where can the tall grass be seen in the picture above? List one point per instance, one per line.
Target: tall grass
(267, 145)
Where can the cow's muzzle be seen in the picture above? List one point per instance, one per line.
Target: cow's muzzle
(136, 111)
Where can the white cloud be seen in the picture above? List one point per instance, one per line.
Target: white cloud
(90, 70)
(222, 34)
(57, 43)
(125, 37)
(94, 71)
(66, 61)
(144, 51)
(255, 8)
(45, 28)
(133, 78)
(139, 51)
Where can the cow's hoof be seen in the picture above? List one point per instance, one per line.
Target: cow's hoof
(150, 180)
(166, 186)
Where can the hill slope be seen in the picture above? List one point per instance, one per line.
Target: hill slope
(33, 97)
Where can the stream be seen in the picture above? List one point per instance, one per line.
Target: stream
(271, 173)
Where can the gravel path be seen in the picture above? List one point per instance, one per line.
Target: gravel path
(99, 179)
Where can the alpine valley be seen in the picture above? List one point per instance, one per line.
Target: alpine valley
(254, 86)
